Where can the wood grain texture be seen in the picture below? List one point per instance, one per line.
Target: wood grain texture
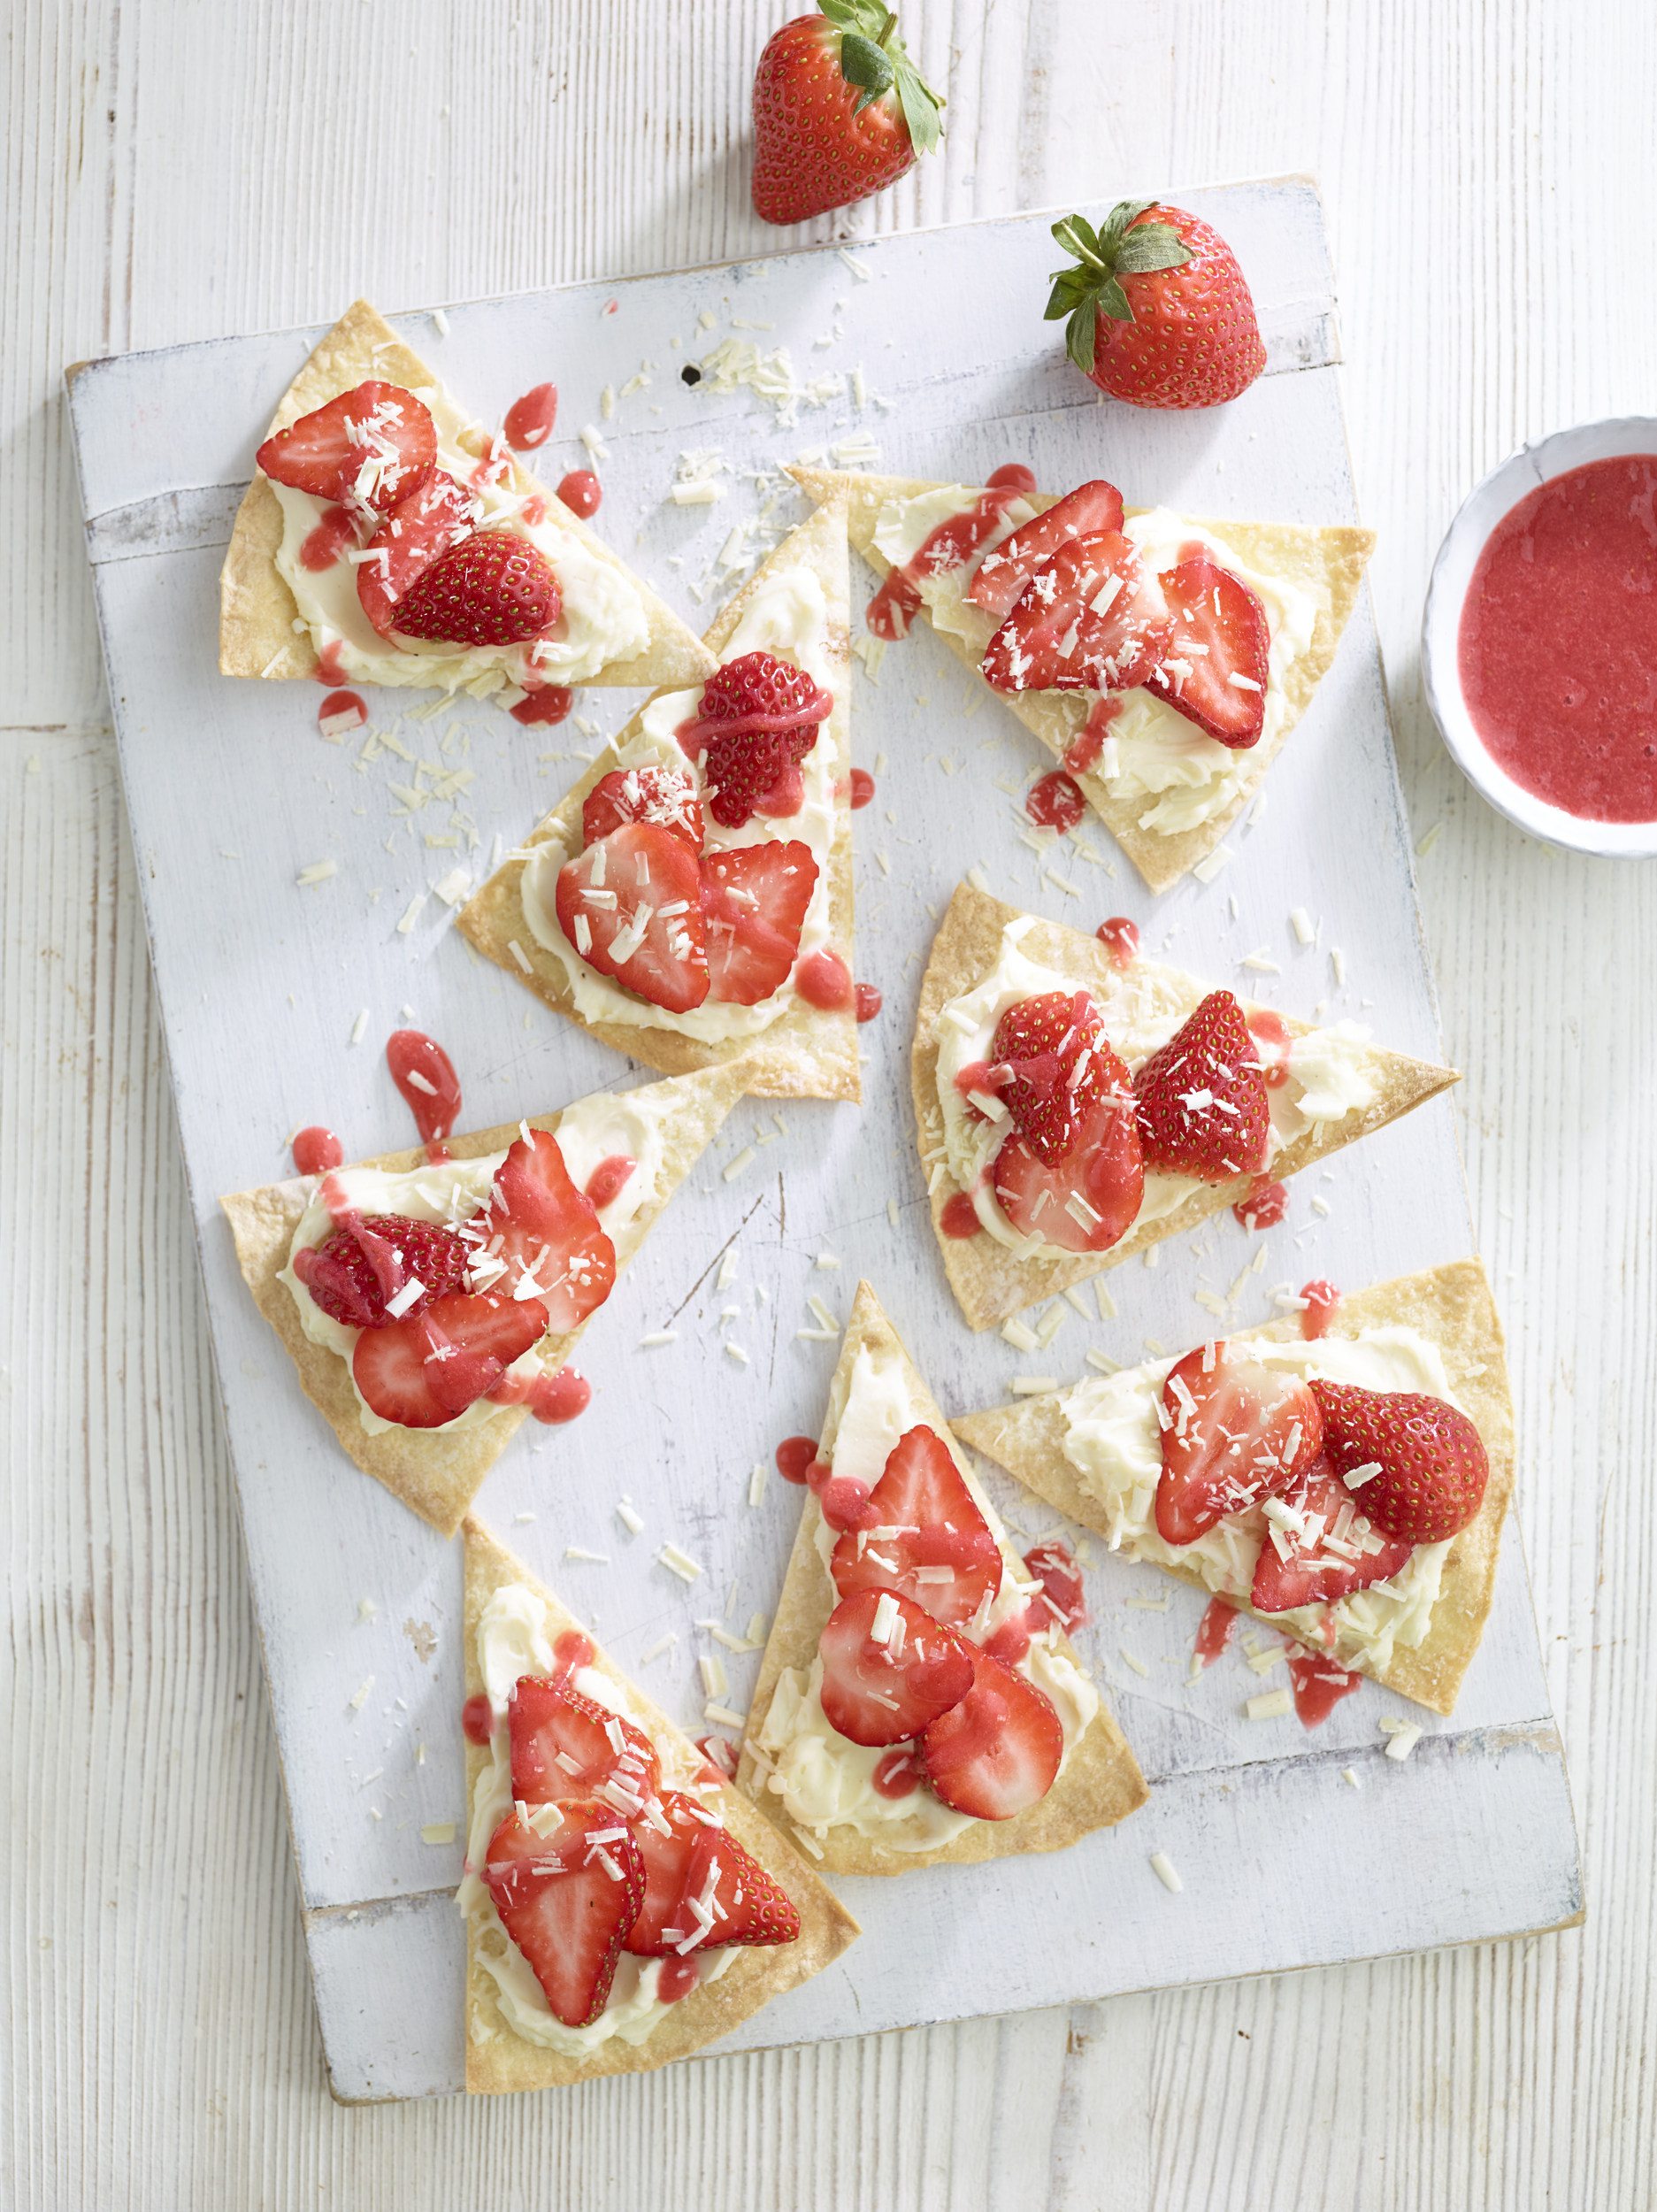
(171, 176)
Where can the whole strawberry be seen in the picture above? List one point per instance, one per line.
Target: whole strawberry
(492, 589)
(355, 1272)
(1158, 312)
(1429, 1460)
(758, 719)
(1201, 1098)
(840, 112)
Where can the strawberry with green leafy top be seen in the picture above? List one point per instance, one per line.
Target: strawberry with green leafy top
(840, 112)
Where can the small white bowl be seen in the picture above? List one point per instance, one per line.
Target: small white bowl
(1441, 621)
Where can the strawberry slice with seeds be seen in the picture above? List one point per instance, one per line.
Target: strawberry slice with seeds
(540, 1239)
(1202, 1105)
(567, 1900)
(422, 1372)
(492, 589)
(889, 1669)
(1234, 1432)
(359, 1271)
(631, 906)
(664, 797)
(1054, 1062)
(1090, 620)
(1088, 512)
(1429, 1461)
(1326, 1551)
(703, 1888)
(367, 448)
(436, 515)
(1090, 1200)
(997, 1752)
(754, 903)
(758, 718)
(566, 1745)
(1215, 664)
(925, 1539)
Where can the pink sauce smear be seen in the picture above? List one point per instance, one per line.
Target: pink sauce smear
(1215, 1631)
(952, 544)
(529, 420)
(1120, 938)
(959, 1217)
(1265, 1205)
(1272, 1045)
(551, 703)
(424, 1074)
(1321, 1301)
(1055, 802)
(1319, 1686)
(318, 1150)
(862, 789)
(581, 493)
(1555, 648)
(824, 980)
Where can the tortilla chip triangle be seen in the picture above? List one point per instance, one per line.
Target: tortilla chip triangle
(1326, 563)
(499, 2058)
(1452, 1307)
(1099, 1783)
(437, 1472)
(990, 1281)
(257, 608)
(804, 1052)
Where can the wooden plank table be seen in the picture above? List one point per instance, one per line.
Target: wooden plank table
(176, 179)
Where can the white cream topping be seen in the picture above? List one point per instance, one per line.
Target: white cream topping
(602, 617)
(450, 1192)
(1113, 1441)
(826, 1781)
(1141, 1009)
(1183, 777)
(787, 616)
(512, 1640)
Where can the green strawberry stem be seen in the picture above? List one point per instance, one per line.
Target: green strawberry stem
(873, 58)
(1089, 287)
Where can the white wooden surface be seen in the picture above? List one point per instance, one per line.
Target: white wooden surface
(170, 177)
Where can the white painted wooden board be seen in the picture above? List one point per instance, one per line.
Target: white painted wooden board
(214, 768)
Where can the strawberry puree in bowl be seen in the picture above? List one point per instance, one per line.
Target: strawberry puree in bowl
(1537, 639)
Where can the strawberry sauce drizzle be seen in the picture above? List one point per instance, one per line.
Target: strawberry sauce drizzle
(581, 493)
(1215, 1631)
(1088, 744)
(476, 1720)
(328, 541)
(424, 1074)
(793, 1456)
(608, 1179)
(571, 1651)
(341, 1210)
(898, 1773)
(529, 420)
(1322, 1301)
(1264, 1206)
(1272, 1041)
(1055, 802)
(1319, 1686)
(869, 1002)
(1120, 938)
(551, 703)
(862, 789)
(330, 668)
(954, 541)
(959, 1217)
(824, 980)
(318, 1150)
(339, 702)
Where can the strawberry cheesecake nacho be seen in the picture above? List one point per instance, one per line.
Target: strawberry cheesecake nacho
(1163, 661)
(388, 539)
(1349, 1487)
(1076, 1103)
(691, 899)
(431, 1299)
(624, 1906)
(919, 1700)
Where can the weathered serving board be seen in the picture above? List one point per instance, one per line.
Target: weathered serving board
(232, 793)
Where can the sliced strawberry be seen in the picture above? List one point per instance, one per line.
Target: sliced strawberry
(1092, 620)
(1062, 1603)
(998, 1751)
(544, 1235)
(368, 449)
(356, 1271)
(422, 1372)
(757, 720)
(665, 797)
(492, 589)
(1087, 512)
(631, 906)
(927, 1540)
(1327, 1556)
(566, 1745)
(1214, 667)
(567, 1901)
(1430, 1463)
(1234, 1431)
(425, 524)
(703, 1888)
(754, 901)
(1054, 1062)
(1089, 1202)
(1201, 1098)
(881, 1689)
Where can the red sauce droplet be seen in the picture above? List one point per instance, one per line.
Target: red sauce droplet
(1085, 747)
(330, 668)
(842, 1498)
(529, 420)
(897, 1773)
(535, 510)
(954, 541)
(868, 1001)
(1322, 1298)
(476, 1719)
(424, 1074)
(794, 1455)
(676, 1978)
(862, 789)
(328, 541)
(338, 704)
(341, 1210)
(1215, 1631)
(1054, 1566)
(1013, 477)
(1319, 1686)
(1120, 938)
(959, 1217)
(1055, 802)
(571, 1651)
(608, 1179)
(551, 703)
(437, 1152)
(1272, 1042)
(581, 493)
(1265, 1205)
(317, 1149)
(824, 980)
(556, 1399)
